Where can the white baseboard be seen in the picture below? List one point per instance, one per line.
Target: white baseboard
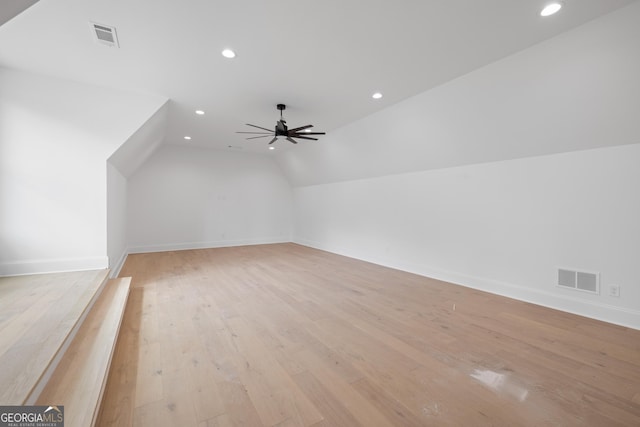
(115, 269)
(59, 265)
(205, 245)
(607, 313)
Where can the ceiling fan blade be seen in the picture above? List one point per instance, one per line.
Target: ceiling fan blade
(258, 133)
(275, 138)
(256, 137)
(300, 128)
(309, 133)
(291, 140)
(303, 137)
(259, 127)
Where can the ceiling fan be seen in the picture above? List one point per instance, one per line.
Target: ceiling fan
(281, 129)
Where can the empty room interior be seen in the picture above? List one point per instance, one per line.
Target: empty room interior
(337, 213)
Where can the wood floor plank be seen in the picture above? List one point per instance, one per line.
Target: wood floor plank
(119, 400)
(240, 411)
(392, 408)
(285, 335)
(334, 412)
(37, 315)
(80, 378)
(362, 410)
(270, 388)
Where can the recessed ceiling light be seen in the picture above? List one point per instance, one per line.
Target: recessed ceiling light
(199, 112)
(187, 138)
(376, 95)
(551, 8)
(272, 148)
(228, 53)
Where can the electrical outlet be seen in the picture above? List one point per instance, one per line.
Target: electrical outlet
(614, 290)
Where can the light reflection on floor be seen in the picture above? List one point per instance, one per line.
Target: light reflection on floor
(500, 383)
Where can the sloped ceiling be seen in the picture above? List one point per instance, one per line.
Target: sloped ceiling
(324, 59)
(11, 8)
(577, 91)
(142, 144)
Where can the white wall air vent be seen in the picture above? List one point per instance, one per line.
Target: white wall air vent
(104, 34)
(579, 280)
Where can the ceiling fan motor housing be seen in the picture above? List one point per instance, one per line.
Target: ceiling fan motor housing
(281, 128)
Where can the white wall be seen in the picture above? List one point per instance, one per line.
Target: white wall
(497, 178)
(116, 218)
(503, 227)
(121, 165)
(55, 138)
(188, 197)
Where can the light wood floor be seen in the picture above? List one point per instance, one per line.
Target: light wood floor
(37, 315)
(284, 335)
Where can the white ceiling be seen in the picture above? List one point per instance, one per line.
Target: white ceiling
(323, 59)
(11, 8)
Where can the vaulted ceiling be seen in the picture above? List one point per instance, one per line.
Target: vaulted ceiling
(12, 8)
(324, 59)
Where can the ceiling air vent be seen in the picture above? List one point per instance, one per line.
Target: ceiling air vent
(579, 280)
(104, 34)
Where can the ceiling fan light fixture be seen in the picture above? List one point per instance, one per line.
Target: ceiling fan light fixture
(376, 95)
(551, 9)
(272, 148)
(282, 130)
(228, 53)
